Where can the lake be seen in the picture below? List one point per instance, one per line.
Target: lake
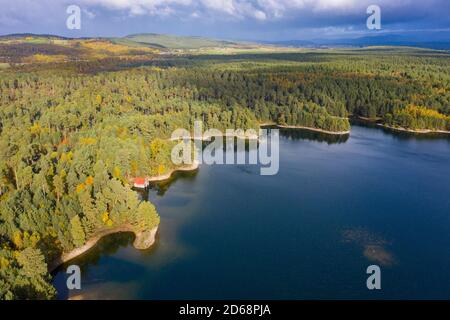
(337, 205)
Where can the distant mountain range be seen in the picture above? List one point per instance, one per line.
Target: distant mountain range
(439, 41)
(435, 40)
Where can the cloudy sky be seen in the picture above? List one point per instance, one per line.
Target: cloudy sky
(228, 19)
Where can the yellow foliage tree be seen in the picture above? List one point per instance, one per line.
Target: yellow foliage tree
(17, 239)
(35, 128)
(89, 181)
(117, 173)
(105, 216)
(88, 141)
(80, 187)
(161, 169)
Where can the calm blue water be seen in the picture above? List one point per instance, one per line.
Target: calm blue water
(336, 207)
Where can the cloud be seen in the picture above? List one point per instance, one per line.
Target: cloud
(257, 18)
(258, 9)
(268, 10)
(139, 7)
(241, 9)
(89, 14)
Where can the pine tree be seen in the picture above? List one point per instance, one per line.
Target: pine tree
(77, 231)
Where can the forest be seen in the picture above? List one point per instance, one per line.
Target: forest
(74, 132)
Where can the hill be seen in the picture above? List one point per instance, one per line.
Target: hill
(175, 42)
(435, 41)
(135, 41)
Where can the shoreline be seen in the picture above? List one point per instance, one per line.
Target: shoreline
(371, 120)
(261, 125)
(167, 176)
(144, 240)
(421, 131)
(208, 138)
(312, 129)
(375, 121)
(280, 126)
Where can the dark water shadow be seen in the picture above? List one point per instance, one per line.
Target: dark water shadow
(108, 246)
(162, 187)
(305, 134)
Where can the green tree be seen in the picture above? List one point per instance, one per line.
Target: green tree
(77, 231)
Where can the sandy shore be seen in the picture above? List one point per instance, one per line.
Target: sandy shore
(208, 138)
(411, 130)
(167, 176)
(144, 240)
(265, 124)
(256, 137)
(373, 120)
(313, 129)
